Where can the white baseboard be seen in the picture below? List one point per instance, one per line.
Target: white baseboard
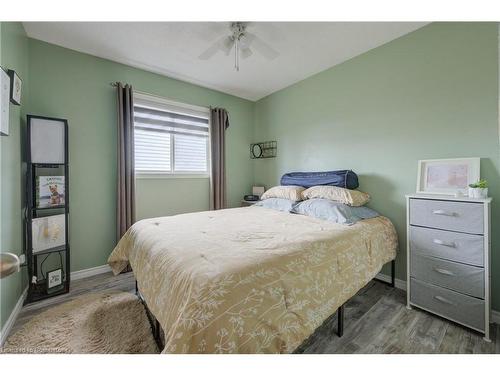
(401, 284)
(77, 275)
(12, 318)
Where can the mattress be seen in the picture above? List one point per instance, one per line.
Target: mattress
(249, 280)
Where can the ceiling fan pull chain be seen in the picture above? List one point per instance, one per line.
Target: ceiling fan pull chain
(236, 54)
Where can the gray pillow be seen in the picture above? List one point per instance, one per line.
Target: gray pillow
(333, 211)
(280, 204)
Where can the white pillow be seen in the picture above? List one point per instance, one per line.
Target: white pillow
(287, 192)
(279, 204)
(350, 197)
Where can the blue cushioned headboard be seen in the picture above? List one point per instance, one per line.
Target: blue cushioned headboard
(346, 179)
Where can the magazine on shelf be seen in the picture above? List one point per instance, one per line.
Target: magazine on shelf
(50, 191)
(48, 232)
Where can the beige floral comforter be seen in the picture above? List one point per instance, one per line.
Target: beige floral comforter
(249, 280)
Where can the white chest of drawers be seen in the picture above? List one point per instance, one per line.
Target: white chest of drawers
(448, 258)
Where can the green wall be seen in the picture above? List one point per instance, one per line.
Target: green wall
(76, 86)
(183, 195)
(429, 94)
(14, 55)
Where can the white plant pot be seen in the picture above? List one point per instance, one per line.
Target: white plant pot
(478, 193)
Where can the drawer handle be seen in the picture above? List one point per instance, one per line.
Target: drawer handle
(444, 272)
(444, 300)
(444, 243)
(444, 213)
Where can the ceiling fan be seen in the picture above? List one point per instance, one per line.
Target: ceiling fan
(243, 43)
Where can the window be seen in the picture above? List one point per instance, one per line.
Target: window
(170, 138)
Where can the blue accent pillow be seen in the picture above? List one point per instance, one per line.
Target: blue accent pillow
(280, 204)
(333, 211)
(346, 179)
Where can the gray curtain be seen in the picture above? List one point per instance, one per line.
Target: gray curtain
(219, 122)
(125, 208)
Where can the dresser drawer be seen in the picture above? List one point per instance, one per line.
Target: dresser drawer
(459, 307)
(456, 276)
(459, 247)
(457, 216)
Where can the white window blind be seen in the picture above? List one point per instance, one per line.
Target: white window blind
(169, 138)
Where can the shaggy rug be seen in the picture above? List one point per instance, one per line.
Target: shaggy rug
(94, 323)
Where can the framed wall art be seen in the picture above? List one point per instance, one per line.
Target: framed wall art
(447, 176)
(15, 87)
(4, 102)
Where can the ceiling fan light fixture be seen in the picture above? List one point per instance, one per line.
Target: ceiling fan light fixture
(241, 40)
(244, 41)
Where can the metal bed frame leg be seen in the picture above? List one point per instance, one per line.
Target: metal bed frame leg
(340, 321)
(393, 273)
(340, 311)
(391, 283)
(155, 324)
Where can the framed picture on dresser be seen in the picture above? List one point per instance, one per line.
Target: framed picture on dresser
(447, 176)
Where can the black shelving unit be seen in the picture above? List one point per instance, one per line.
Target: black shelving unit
(38, 290)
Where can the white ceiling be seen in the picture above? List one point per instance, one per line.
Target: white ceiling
(172, 49)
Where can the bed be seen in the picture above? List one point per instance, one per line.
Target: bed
(249, 280)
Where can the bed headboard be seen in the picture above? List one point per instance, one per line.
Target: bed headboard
(345, 178)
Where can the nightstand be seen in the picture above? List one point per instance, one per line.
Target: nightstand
(448, 258)
(245, 203)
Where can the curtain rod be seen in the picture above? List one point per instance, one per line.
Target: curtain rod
(115, 84)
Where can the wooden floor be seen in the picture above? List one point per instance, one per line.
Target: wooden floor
(376, 321)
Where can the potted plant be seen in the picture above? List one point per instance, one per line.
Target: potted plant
(478, 189)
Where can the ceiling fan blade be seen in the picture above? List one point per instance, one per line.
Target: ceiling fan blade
(262, 47)
(226, 44)
(246, 53)
(223, 44)
(209, 52)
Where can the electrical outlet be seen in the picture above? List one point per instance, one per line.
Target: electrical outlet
(22, 259)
